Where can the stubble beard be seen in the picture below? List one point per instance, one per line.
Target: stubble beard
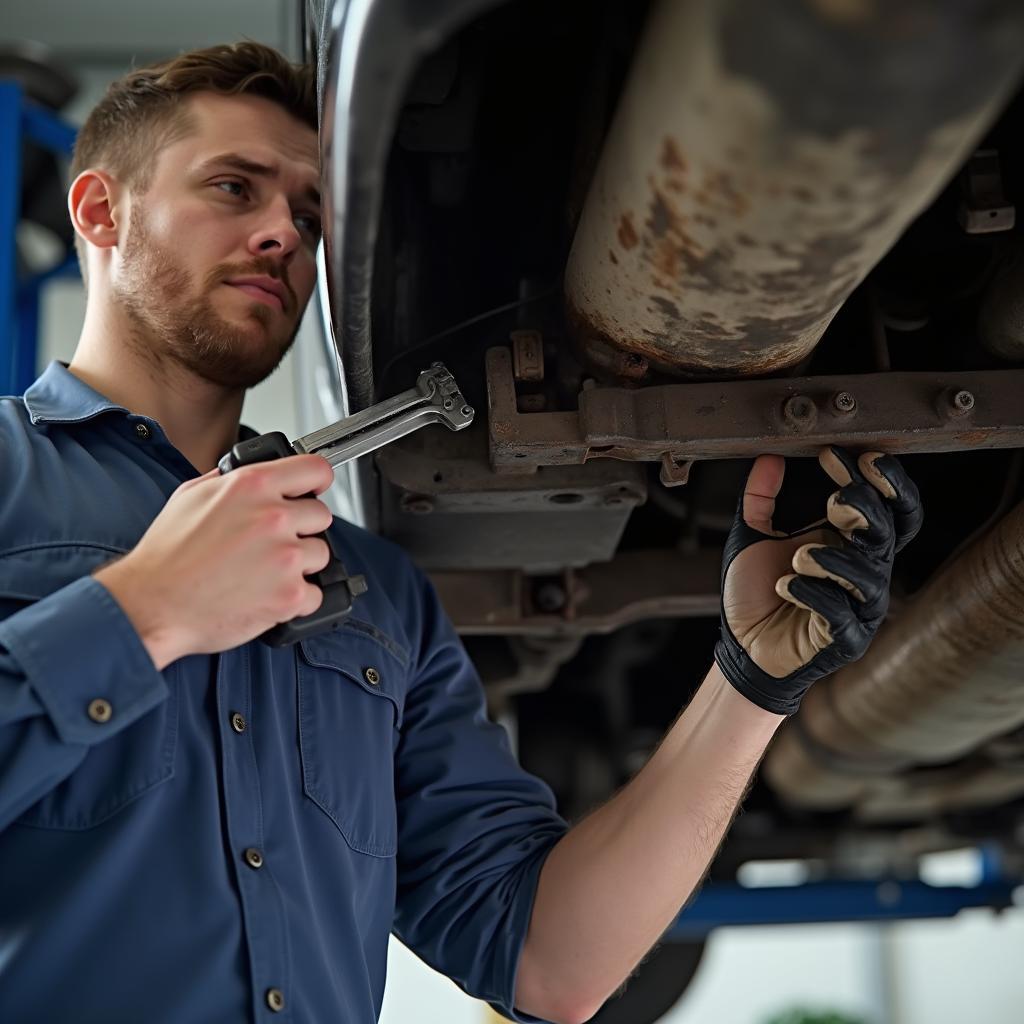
(176, 321)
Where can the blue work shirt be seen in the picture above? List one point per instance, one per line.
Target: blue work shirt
(232, 838)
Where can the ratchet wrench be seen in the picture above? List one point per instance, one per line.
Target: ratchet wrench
(434, 399)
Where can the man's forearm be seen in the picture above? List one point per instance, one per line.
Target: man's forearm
(614, 883)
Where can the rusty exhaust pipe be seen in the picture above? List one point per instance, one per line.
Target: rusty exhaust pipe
(762, 160)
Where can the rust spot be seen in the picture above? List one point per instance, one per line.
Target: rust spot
(719, 189)
(973, 438)
(672, 158)
(665, 259)
(613, 257)
(627, 233)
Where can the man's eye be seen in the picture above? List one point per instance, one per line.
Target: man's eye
(309, 224)
(230, 187)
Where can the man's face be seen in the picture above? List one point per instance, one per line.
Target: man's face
(219, 258)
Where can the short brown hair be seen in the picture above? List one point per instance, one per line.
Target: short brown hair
(140, 112)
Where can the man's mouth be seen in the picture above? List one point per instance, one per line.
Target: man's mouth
(270, 292)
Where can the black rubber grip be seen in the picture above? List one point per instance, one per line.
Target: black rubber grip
(338, 587)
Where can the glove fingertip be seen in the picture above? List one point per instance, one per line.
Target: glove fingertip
(875, 474)
(844, 516)
(839, 464)
(782, 586)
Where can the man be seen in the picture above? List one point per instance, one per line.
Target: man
(197, 827)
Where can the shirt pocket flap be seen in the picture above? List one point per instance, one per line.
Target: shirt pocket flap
(365, 657)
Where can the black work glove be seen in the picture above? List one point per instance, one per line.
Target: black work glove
(798, 606)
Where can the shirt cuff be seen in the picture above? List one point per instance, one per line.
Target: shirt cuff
(85, 661)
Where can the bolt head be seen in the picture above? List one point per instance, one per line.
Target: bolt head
(964, 401)
(800, 412)
(549, 597)
(844, 402)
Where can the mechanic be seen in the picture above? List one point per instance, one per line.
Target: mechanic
(197, 827)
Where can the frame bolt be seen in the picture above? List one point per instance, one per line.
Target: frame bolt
(550, 597)
(844, 402)
(963, 401)
(800, 412)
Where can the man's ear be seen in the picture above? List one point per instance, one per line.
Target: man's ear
(93, 202)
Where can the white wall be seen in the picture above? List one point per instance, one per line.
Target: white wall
(751, 974)
(969, 968)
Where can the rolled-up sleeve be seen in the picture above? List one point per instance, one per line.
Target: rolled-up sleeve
(474, 827)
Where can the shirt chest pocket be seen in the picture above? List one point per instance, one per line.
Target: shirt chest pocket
(134, 761)
(351, 689)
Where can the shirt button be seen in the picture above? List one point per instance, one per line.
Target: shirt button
(142, 431)
(372, 676)
(253, 858)
(237, 722)
(100, 710)
(275, 999)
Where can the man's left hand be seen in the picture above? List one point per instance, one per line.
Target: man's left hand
(798, 606)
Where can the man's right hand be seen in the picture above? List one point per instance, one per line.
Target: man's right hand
(226, 558)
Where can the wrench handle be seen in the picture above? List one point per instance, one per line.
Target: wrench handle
(338, 587)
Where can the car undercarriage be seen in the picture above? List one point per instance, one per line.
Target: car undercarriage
(652, 241)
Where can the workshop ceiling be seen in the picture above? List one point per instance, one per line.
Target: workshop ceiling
(120, 31)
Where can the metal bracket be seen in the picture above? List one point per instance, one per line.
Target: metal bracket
(679, 423)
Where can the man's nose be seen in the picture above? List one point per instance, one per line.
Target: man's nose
(276, 233)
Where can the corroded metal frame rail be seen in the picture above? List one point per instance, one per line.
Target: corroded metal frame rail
(631, 587)
(794, 416)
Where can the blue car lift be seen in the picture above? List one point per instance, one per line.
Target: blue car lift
(722, 904)
(22, 119)
(892, 899)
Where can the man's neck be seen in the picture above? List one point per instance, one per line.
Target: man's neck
(200, 418)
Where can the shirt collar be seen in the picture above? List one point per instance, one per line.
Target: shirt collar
(58, 396)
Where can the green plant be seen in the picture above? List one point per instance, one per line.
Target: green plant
(802, 1015)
